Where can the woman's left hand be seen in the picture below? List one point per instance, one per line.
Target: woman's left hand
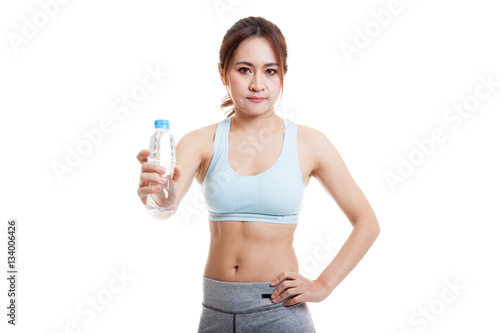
(305, 289)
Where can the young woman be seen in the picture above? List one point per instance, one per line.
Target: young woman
(253, 167)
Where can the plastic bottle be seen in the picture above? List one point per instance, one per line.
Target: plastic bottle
(163, 204)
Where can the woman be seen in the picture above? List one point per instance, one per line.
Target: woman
(253, 168)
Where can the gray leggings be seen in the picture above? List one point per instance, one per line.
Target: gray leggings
(237, 307)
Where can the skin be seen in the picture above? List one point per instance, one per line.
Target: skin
(257, 251)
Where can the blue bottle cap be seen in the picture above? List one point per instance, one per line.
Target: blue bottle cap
(162, 123)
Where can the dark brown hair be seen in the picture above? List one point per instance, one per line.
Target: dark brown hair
(252, 27)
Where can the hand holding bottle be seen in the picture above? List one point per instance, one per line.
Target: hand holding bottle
(152, 176)
(162, 202)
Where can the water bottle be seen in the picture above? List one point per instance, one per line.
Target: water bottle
(163, 204)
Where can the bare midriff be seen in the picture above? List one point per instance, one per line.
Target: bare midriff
(243, 251)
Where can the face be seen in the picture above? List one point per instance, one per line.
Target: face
(253, 72)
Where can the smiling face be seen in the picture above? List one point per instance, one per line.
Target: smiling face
(253, 72)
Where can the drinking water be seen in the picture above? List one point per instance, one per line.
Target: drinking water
(163, 204)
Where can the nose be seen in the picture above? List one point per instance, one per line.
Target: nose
(257, 83)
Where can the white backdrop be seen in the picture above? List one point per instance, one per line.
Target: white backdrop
(407, 91)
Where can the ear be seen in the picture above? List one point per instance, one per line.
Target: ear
(220, 73)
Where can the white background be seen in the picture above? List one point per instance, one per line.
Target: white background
(439, 225)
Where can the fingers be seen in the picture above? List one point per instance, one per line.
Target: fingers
(144, 191)
(283, 276)
(287, 293)
(294, 300)
(150, 177)
(143, 155)
(177, 173)
(280, 291)
(153, 167)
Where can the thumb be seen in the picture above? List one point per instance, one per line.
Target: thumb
(177, 173)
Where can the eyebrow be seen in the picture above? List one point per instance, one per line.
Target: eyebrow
(250, 64)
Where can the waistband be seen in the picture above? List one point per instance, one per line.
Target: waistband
(238, 297)
(255, 217)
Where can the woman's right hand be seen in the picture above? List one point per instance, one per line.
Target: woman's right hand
(152, 173)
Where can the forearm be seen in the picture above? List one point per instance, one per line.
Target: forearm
(355, 247)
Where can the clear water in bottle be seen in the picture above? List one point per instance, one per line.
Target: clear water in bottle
(162, 146)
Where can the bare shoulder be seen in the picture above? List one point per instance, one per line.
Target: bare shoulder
(318, 148)
(194, 149)
(309, 134)
(200, 137)
(307, 138)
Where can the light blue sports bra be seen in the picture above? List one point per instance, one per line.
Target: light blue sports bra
(273, 196)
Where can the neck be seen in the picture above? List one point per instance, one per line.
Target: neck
(253, 125)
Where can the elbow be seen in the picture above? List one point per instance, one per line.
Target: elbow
(373, 225)
(370, 227)
(375, 229)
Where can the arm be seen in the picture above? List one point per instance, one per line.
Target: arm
(333, 175)
(189, 158)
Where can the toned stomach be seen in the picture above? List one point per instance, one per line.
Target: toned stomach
(250, 251)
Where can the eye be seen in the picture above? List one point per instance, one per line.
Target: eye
(245, 70)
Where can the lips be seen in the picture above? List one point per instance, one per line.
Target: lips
(256, 98)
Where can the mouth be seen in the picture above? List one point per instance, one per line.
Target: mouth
(256, 99)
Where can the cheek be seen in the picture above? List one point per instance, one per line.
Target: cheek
(238, 86)
(235, 81)
(276, 84)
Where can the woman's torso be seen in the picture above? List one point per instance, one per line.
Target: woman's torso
(247, 251)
